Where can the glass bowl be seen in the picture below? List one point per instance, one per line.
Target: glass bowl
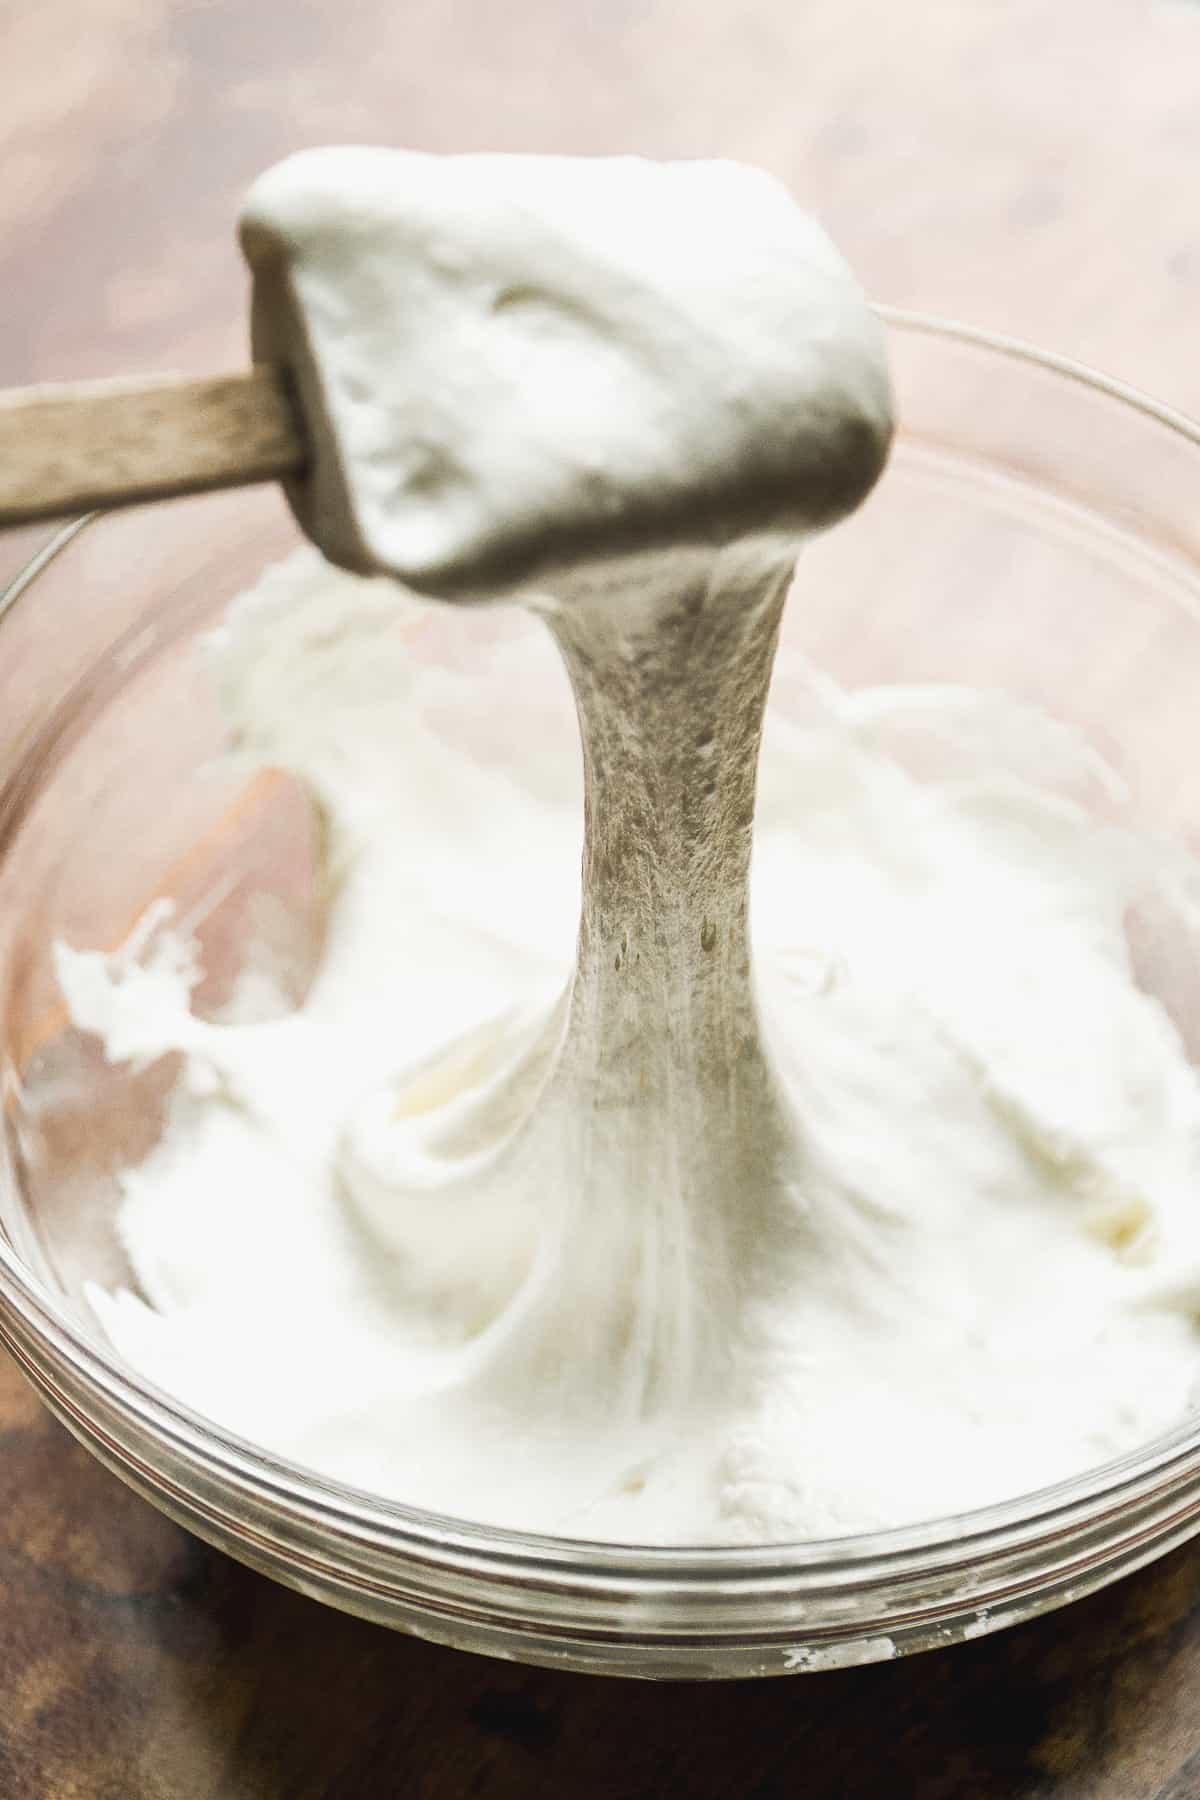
(1037, 531)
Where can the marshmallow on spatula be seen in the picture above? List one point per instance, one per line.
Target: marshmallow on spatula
(509, 365)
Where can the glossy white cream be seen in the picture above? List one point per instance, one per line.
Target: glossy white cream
(652, 1206)
(988, 1279)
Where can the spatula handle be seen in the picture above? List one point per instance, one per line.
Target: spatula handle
(69, 448)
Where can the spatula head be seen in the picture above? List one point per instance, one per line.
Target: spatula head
(508, 365)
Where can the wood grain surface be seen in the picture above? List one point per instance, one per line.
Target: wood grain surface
(68, 447)
(1032, 165)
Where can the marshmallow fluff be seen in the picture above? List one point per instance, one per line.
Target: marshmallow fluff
(608, 1180)
(511, 365)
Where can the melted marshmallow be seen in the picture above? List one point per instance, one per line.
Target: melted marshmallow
(510, 364)
(1001, 1132)
(648, 1241)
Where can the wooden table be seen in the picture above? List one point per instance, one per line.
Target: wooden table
(1032, 165)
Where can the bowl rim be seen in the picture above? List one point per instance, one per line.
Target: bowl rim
(30, 1311)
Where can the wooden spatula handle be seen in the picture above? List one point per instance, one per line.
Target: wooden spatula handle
(67, 449)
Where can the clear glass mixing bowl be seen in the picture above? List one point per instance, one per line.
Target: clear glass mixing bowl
(1039, 531)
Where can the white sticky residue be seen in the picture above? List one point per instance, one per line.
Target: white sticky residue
(841, 1656)
(984, 1287)
(509, 364)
